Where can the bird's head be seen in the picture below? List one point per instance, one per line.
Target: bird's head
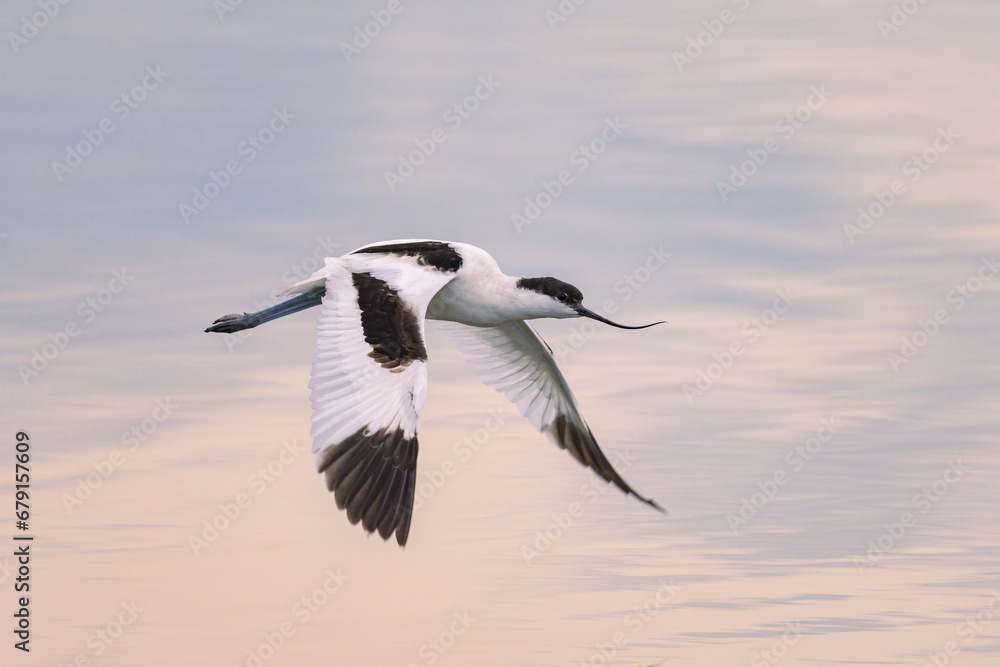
(551, 297)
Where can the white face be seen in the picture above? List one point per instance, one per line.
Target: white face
(549, 297)
(543, 305)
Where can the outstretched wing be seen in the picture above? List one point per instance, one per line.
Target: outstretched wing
(369, 383)
(515, 361)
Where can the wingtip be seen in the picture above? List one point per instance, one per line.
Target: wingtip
(655, 505)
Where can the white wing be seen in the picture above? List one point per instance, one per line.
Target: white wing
(369, 383)
(515, 361)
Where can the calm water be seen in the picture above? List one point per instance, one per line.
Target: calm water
(818, 416)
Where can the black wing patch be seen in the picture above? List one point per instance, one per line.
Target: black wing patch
(389, 325)
(439, 255)
(373, 477)
(584, 448)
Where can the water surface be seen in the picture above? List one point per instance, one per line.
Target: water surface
(818, 416)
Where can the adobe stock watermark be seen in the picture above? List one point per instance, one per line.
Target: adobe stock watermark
(131, 439)
(914, 168)
(922, 502)
(929, 328)
(363, 35)
(454, 117)
(301, 270)
(786, 127)
(304, 609)
(899, 17)
(101, 639)
(231, 510)
(223, 7)
(432, 649)
(6, 569)
(121, 108)
(429, 483)
(563, 521)
(698, 43)
(579, 160)
(562, 12)
(248, 150)
(752, 332)
(584, 329)
(971, 627)
(796, 459)
(88, 310)
(634, 621)
(773, 654)
(30, 25)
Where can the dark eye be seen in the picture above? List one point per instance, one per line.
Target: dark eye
(562, 296)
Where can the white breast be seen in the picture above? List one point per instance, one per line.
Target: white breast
(481, 295)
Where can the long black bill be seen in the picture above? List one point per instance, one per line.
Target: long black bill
(594, 316)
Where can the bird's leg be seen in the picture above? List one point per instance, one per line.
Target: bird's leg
(234, 323)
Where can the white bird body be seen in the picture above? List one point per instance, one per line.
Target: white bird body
(481, 295)
(369, 378)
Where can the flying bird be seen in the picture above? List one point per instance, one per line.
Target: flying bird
(369, 375)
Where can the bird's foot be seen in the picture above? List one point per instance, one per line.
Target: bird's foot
(231, 324)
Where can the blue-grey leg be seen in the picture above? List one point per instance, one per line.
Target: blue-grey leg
(234, 323)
